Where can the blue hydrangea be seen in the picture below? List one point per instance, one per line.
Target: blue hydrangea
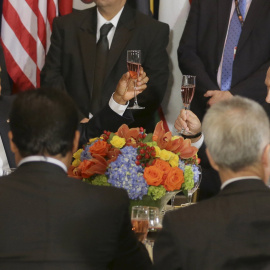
(195, 170)
(85, 155)
(181, 165)
(197, 173)
(124, 173)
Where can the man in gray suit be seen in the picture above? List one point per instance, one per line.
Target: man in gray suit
(230, 230)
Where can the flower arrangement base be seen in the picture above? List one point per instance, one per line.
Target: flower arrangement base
(148, 201)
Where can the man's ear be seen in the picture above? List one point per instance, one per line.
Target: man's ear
(211, 161)
(13, 146)
(76, 141)
(266, 163)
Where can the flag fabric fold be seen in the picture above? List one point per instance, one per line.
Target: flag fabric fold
(26, 38)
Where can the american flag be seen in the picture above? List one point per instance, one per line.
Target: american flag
(25, 31)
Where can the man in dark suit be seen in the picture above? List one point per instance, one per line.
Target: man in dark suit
(230, 230)
(51, 221)
(202, 47)
(70, 62)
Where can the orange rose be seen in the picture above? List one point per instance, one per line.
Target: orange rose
(100, 147)
(163, 166)
(153, 175)
(174, 179)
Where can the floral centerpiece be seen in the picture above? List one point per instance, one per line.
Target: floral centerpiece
(147, 166)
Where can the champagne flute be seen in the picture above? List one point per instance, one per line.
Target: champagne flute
(187, 93)
(133, 66)
(140, 222)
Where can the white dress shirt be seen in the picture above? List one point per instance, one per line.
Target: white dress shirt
(117, 108)
(44, 159)
(3, 158)
(220, 65)
(114, 21)
(238, 179)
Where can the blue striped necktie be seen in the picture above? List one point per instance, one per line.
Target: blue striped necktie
(230, 47)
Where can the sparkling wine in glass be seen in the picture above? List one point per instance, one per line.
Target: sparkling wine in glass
(140, 222)
(133, 66)
(187, 93)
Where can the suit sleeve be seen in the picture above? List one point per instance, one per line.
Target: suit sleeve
(165, 255)
(131, 254)
(106, 119)
(51, 73)
(253, 86)
(188, 59)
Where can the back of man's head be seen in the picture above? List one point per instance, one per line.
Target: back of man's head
(236, 133)
(43, 122)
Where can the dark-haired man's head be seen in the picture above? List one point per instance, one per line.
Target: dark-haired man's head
(44, 122)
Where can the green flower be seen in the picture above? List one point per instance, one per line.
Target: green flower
(156, 192)
(151, 144)
(188, 176)
(99, 180)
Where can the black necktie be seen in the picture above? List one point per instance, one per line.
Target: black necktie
(100, 67)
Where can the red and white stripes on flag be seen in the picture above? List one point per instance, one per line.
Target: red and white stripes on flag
(26, 31)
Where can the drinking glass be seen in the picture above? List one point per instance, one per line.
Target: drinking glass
(187, 93)
(140, 221)
(197, 183)
(155, 225)
(133, 66)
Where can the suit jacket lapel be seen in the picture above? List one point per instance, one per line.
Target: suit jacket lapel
(121, 37)
(87, 39)
(223, 13)
(255, 13)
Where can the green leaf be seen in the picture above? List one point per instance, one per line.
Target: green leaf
(148, 138)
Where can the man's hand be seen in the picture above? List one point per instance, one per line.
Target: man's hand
(188, 121)
(267, 83)
(125, 87)
(217, 95)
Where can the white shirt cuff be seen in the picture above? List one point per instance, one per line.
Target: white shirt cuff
(117, 108)
(199, 143)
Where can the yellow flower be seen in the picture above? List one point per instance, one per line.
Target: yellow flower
(174, 161)
(77, 154)
(175, 138)
(76, 162)
(118, 142)
(157, 149)
(94, 139)
(165, 155)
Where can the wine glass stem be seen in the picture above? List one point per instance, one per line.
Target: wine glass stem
(172, 201)
(135, 94)
(189, 197)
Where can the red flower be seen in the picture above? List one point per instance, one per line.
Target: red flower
(96, 165)
(100, 147)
